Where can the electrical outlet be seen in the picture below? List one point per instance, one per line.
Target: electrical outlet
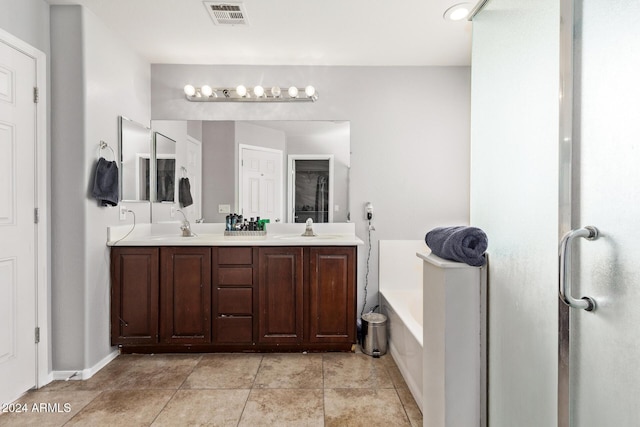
(368, 211)
(123, 213)
(224, 209)
(172, 212)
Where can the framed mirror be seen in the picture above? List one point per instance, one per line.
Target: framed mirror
(134, 140)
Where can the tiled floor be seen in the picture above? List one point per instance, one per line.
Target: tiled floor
(330, 389)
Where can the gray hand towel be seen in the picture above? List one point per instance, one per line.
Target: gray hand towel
(461, 244)
(184, 192)
(105, 183)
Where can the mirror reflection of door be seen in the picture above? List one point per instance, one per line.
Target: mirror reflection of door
(165, 168)
(260, 183)
(311, 187)
(165, 179)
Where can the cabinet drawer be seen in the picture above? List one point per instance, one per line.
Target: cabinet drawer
(235, 256)
(235, 329)
(234, 276)
(235, 301)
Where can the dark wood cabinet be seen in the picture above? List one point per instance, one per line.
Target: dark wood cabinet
(332, 303)
(234, 304)
(185, 295)
(281, 295)
(233, 298)
(134, 295)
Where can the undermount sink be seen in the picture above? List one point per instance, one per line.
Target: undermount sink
(161, 237)
(299, 237)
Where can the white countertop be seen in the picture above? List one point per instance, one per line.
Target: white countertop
(441, 262)
(278, 234)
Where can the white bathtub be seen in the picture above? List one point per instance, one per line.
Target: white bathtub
(404, 312)
(400, 279)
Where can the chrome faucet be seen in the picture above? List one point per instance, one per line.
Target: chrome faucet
(186, 227)
(308, 231)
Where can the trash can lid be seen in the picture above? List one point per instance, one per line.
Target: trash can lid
(374, 318)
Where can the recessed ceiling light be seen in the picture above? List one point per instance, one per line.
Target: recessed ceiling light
(458, 12)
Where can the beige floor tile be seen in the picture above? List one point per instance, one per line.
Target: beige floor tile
(363, 407)
(396, 377)
(348, 370)
(164, 371)
(290, 371)
(123, 407)
(221, 371)
(203, 408)
(410, 406)
(47, 408)
(283, 407)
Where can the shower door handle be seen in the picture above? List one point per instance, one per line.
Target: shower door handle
(585, 303)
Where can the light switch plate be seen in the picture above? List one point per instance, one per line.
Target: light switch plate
(224, 209)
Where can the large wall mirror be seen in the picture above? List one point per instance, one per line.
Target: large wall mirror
(282, 170)
(135, 155)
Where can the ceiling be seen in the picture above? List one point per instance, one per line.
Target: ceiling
(291, 32)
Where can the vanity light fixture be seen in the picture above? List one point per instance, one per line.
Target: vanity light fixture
(241, 93)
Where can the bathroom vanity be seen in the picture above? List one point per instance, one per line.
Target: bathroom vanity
(281, 292)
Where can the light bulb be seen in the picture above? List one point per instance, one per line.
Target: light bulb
(206, 90)
(310, 91)
(293, 92)
(457, 12)
(275, 91)
(241, 90)
(258, 90)
(189, 90)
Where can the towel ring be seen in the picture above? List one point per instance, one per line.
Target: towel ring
(104, 145)
(184, 171)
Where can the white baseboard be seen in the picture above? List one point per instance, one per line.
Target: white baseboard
(85, 374)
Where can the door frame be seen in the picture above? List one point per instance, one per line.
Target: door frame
(565, 213)
(42, 253)
(197, 195)
(291, 181)
(240, 179)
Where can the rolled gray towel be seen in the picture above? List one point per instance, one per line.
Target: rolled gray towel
(460, 243)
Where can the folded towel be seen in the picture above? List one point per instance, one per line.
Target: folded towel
(184, 192)
(462, 244)
(105, 183)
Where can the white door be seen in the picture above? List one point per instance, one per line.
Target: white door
(604, 362)
(194, 168)
(261, 183)
(17, 228)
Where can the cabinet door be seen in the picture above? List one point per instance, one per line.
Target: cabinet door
(332, 294)
(185, 295)
(134, 295)
(280, 295)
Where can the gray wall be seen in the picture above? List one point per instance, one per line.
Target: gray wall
(218, 168)
(95, 77)
(409, 135)
(28, 20)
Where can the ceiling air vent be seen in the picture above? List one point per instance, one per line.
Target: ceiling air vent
(227, 13)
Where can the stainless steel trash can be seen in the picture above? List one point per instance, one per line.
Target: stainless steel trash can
(374, 334)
